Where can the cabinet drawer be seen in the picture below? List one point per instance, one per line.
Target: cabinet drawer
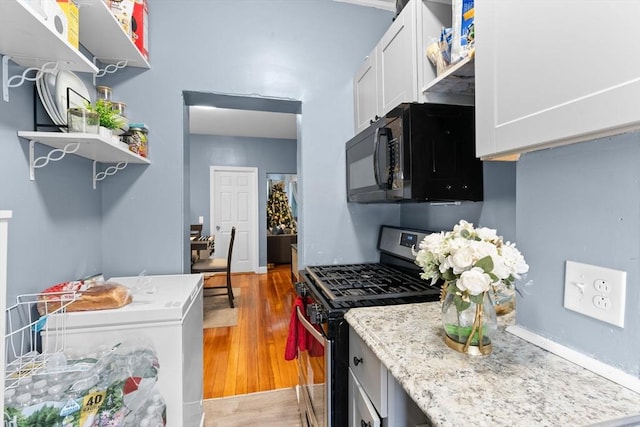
(369, 371)
(361, 411)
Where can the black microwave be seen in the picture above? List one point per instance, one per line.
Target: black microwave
(416, 152)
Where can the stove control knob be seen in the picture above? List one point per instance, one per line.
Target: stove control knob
(315, 313)
(302, 289)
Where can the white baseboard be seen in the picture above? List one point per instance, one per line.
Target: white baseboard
(609, 372)
(262, 270)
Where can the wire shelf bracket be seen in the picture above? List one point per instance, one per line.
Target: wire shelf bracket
(19, 79)
(110, 171)
(53, 156)
(109, 69)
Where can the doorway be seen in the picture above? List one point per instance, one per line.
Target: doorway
(234, 203)
(254, 144)
(282, 217)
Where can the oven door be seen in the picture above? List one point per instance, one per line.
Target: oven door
(314, 366)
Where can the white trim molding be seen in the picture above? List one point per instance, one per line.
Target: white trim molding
(609, 372)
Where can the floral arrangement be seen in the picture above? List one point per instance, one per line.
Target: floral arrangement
(471, 262)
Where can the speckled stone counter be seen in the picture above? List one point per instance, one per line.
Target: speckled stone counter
(518, 384)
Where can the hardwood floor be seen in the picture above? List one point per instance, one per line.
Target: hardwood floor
(249, 357)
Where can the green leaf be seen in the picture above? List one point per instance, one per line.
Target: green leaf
(461, 333)
(448, 275)
(477, 299)
(460, 304)
(486, 264)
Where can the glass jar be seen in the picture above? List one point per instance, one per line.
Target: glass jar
(119, 107)
(104, 92)
(82, 120)
(137, 139)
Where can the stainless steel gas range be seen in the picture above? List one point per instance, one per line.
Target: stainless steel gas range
(329, 291)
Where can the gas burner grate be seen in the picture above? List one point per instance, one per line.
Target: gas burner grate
(358, 282)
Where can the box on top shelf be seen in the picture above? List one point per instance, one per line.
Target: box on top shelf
(140, 27)
(133, 18)
(70, 9)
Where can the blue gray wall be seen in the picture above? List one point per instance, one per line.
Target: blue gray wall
(267, 154)
(581, 203)
(497, 210)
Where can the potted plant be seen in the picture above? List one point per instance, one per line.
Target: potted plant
(109, 118)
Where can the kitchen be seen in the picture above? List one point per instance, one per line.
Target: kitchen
(584, 206)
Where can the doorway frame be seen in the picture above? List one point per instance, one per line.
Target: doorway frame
(254, 245)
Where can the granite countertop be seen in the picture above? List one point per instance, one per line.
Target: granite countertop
(518, 384)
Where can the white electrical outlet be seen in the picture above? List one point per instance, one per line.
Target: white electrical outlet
(200, 220)
(594, 291)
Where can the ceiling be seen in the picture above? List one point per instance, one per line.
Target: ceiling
(206, 120)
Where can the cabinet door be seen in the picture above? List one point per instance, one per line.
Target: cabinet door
(552, 73)
(361, 411)
(365, 92)
(398, 61)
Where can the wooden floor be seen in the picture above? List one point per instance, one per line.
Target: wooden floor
(249, 357)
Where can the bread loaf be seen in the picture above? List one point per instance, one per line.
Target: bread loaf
(100, 296)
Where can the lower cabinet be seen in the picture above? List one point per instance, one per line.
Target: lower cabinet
(376, 398)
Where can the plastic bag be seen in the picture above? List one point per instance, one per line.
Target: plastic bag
(119, 388)
(463, 34)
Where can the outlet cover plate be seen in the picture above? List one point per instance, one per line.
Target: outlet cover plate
(597, 292)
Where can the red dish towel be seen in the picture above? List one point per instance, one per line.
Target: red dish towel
(299, 337)
(297, 332)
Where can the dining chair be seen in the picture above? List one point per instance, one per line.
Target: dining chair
(215, 265)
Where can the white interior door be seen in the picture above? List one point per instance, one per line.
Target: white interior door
(234, 203)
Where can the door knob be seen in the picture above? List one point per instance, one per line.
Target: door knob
(217, 227)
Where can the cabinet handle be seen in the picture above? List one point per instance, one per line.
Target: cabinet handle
(357, 360)
(365, 424)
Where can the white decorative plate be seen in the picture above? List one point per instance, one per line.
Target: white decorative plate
(49, 107)
(67, 79)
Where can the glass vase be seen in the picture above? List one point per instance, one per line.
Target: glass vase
(504, 299)
(472, 329)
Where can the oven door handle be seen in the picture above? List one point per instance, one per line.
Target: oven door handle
(309, 327)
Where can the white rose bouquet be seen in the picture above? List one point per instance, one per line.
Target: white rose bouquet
(471, 261)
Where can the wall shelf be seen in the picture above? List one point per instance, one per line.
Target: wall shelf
(458, 80)
(30, 40)
(27, 38)
(88, 145)
(103, 36)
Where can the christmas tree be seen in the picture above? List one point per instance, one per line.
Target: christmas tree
(279, 216)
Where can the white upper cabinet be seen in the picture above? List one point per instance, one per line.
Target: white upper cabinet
(554, 73)
(398, 70)
(389, 75)
(456, 84)
(397, 60)
(365, 90)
